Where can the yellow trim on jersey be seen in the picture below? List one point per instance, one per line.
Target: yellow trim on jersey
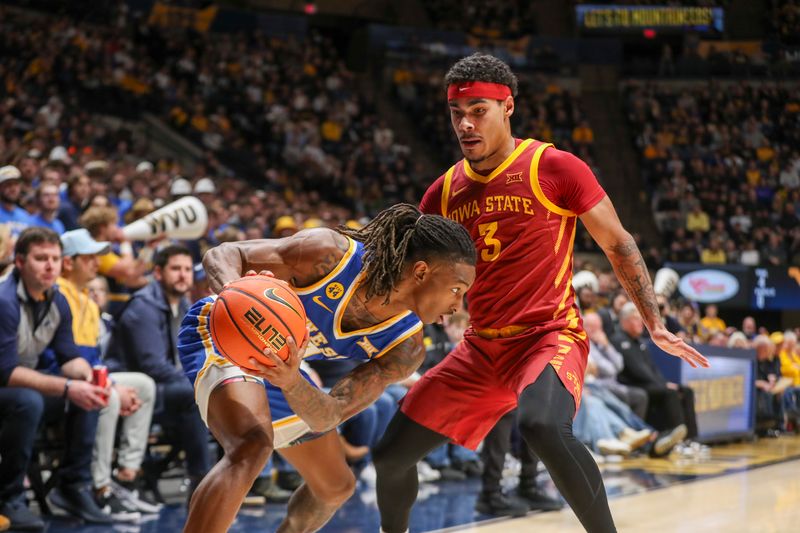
(202, 329)
(567, 257)
(537, 188)
(561, 232)
(471, 174)
(563, 301)
(283, 422)
(448, 180)
(332, 274)
(407, 335)
(340, 309)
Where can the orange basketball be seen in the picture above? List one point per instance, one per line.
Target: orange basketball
(253, 312)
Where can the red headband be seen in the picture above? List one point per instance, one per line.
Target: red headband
(478, 89)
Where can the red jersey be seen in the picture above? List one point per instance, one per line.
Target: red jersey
(523, 218)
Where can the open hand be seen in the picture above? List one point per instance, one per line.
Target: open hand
(285, 374)
(675, 346)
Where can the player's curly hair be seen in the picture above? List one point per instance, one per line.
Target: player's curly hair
(481, 67)
(402, 234)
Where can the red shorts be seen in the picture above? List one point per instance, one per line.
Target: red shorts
(465, 395)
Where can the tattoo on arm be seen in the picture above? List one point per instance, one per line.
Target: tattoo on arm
(629, 266)
(356, 391)
(364, 385)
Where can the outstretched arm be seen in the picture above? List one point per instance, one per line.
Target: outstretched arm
(352, 394)
(301, 259)
(626, 259)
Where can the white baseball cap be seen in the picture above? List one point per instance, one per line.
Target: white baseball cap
(9, 172)
(144, 166)
(204, 185)
(180, 187)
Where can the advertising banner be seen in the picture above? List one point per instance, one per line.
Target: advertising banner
(724, 394)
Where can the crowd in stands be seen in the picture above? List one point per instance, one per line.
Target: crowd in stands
(494, 19)
(608, 315)
(783, 21)
(283, 113)
(723, 170)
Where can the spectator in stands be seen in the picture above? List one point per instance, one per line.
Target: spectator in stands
(711, 323)
(10, 192)
(673, 403)
(124, 271)
(48, 201)
(774, 253)
(132, 395)
(6, 248)
(697, 219)
(689, 320)
(609, 363)
(158, 309)
(79, 188)
(35, 317)
(749, 328)
(610, 313)
(771, 386)
(713, 254)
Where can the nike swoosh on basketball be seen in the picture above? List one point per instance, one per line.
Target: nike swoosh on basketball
(270, 293)
(459, 191)
(318, 301)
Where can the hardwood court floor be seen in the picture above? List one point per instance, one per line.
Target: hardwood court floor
(764, 500)
(747, 487)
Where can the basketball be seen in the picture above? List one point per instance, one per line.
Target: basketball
(252, 313)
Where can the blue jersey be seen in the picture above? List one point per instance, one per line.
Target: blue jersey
(325, 302)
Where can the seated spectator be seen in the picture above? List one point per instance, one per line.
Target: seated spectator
(790, 368)
(6, 248)
(610, 313)
(132, 395)
(28, 396)
(157, 309)
(79, 188)
(671, 404)
(608, 363)
(711, 323)
(124, 271)
(749, 328)
(10, 193)
(697, 219)
(713, 254)
(690, 321)
(773, 391)
(47, 204)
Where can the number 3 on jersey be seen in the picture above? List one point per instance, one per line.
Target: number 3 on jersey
(492, 251)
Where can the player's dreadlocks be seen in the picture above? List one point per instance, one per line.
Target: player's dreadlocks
(402, 234)
(481, 67)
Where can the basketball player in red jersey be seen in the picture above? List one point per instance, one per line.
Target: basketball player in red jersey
(520, 200)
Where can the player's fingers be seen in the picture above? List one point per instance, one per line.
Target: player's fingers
(267, 273)
(277, 361)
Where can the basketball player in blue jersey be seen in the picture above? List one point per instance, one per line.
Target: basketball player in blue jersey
(366, 293)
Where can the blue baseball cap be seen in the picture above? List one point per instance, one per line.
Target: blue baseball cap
(80, 242)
